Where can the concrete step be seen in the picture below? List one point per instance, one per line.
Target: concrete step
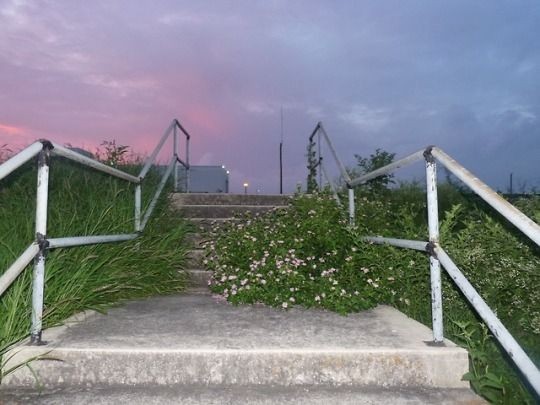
(222, 211)
(223, 395)
(195, 259)
(203, 225)
(229, 199)
(198, 290)
(198, 277)
(201, 339)
(197, 240)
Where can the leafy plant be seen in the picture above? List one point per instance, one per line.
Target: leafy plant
(375, 161)
(281, 248)
(113, 154)
(475, 339)
(306, 260)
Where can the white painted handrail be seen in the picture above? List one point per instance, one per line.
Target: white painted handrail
(437, 254)
(45, 149)
(321, 132)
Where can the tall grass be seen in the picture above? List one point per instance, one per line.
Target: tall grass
(85, 202)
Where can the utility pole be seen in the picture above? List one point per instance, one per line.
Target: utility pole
(511, 183)
(281, 156)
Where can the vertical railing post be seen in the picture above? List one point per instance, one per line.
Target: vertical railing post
(175, 154)
(138, 198)
(38, 279)
(188, 168)
(351, 206)
(434, 265)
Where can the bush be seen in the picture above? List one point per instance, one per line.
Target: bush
(304, 255)
(308, 256)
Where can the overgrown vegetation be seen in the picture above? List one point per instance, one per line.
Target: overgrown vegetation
(307, 256)
(292, 257)
(85, 202)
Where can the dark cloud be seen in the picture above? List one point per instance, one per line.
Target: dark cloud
(396, 75)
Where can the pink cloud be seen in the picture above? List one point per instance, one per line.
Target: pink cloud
(15, 137)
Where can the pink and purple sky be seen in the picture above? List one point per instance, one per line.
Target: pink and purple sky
(379, 74)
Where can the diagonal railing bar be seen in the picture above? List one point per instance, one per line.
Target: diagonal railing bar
(175, 124)
(186, 133)
(515, 216)
(44, 150)
(321, 132)
(183, 163)
(342, 169)
(412, 158)
(159, 189)
(20, 159)
(507, 341)
(77, 157)
(331, 183)
(152, 158)
(11, 274)
(438, 256)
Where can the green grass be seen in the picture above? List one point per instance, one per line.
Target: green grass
(307, 256)
(85, 202)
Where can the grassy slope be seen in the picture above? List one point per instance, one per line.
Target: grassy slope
(84, 202)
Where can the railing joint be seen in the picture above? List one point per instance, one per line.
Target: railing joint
(430, 249)
(428, 155)
(44, 156)
(47, 145)
(42, 242)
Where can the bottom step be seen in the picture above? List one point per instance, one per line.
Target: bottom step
(219, 395)
(200, 339)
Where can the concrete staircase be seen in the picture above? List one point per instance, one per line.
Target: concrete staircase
(196, 348)
(206, 210)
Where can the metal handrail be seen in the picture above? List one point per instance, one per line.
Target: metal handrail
(319, 130)
(44, 150)
(175, 124)
(438, 256)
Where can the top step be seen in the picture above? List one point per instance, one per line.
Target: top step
(230, 199)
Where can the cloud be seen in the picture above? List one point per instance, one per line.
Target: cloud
(366, 118)
(379, 75)
(10, 130)
(181, 18)
(256, 107)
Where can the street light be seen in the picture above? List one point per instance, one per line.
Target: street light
(246, 184)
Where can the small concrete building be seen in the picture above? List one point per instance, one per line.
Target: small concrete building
(204, 179)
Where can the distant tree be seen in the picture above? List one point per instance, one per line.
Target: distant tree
(375, 161)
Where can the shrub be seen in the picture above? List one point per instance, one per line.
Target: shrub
(308, 256)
